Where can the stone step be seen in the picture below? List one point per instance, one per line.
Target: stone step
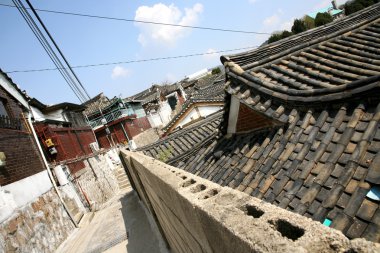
(78, 217)
(86, 219)
(124, 186)
(119, 179)
(123, 181)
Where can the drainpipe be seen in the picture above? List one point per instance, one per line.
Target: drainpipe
(49, 171)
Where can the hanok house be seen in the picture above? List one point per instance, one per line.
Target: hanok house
(25, 187)
(202, 103)
(19, 156)
(63, 132)
(114, 121)
(301, 126)
(160, 102)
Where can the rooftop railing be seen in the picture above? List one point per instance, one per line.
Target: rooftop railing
(109, 117)
(10, 123)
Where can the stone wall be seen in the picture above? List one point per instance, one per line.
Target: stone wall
(40, 226)
(97, 180)
(196, 215)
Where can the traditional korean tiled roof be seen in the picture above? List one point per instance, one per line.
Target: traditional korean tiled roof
(101, 102)
(322, 157)
(213, 93)
(153, 93)
(187, 141)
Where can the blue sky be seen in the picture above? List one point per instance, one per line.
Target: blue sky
(92, 41)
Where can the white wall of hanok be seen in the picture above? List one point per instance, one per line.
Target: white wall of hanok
(55, 115)
(11, 89)
(22, 192)
(199, 111)
(161, 117)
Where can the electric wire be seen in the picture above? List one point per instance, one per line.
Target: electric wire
(32, 25)
(144, 21)
(58, 49)
(132, 61)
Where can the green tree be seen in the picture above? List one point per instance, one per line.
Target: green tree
(298, 26)
(322, 19)
(357, 5)
(215, 71)
(279, 36)
(309, 22)
(274, 37)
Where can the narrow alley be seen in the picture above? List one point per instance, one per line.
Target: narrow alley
(121, 226)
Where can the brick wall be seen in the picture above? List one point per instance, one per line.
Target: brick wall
(69, 142)
(249, 120)
(132, 127)
(23, 158)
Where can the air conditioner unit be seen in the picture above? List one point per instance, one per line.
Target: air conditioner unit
(94, 146)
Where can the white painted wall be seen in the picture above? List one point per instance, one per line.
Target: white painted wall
(55, 115)
(203, 111)
(154, 120)
(8, 86)
(207, 110)
(165, 112)
(37, 114)
(192, 115)
(20, 193)
(161, 117)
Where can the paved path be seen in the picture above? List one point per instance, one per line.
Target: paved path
(107, 231)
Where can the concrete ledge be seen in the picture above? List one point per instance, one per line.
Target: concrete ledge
(196, 215)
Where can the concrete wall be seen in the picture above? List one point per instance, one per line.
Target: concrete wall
(196, 215)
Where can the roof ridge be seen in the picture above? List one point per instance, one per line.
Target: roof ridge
(212, 117)
(247, 60)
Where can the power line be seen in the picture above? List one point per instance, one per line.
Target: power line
(132, 61)
(37, 32)
(143, 21)
(58, 49)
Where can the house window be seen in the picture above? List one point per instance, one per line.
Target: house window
(6, 119)
(3, 109)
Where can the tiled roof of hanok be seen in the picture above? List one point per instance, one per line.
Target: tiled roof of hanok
(193, 86)
(153, 93)
(97, 103)
(185, 142)
(324, 159)
(213, 93)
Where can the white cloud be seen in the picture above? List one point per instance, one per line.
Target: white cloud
(271, 21)
(287, 25)
(166, 35)
(211, 54)
(277, 22)
(119, 71)
(253, 1)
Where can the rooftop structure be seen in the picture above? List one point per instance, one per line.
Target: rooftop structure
(331, 9)
(301, 125)
(202, 102)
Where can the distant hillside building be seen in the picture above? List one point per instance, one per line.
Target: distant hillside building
(115, 121)
(332, 9)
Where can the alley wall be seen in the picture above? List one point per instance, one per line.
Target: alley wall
(196, 215)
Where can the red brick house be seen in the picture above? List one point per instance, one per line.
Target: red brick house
(63, 132)
(21, 158)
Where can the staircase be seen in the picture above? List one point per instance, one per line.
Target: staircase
(74, 210)
(122, 179)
